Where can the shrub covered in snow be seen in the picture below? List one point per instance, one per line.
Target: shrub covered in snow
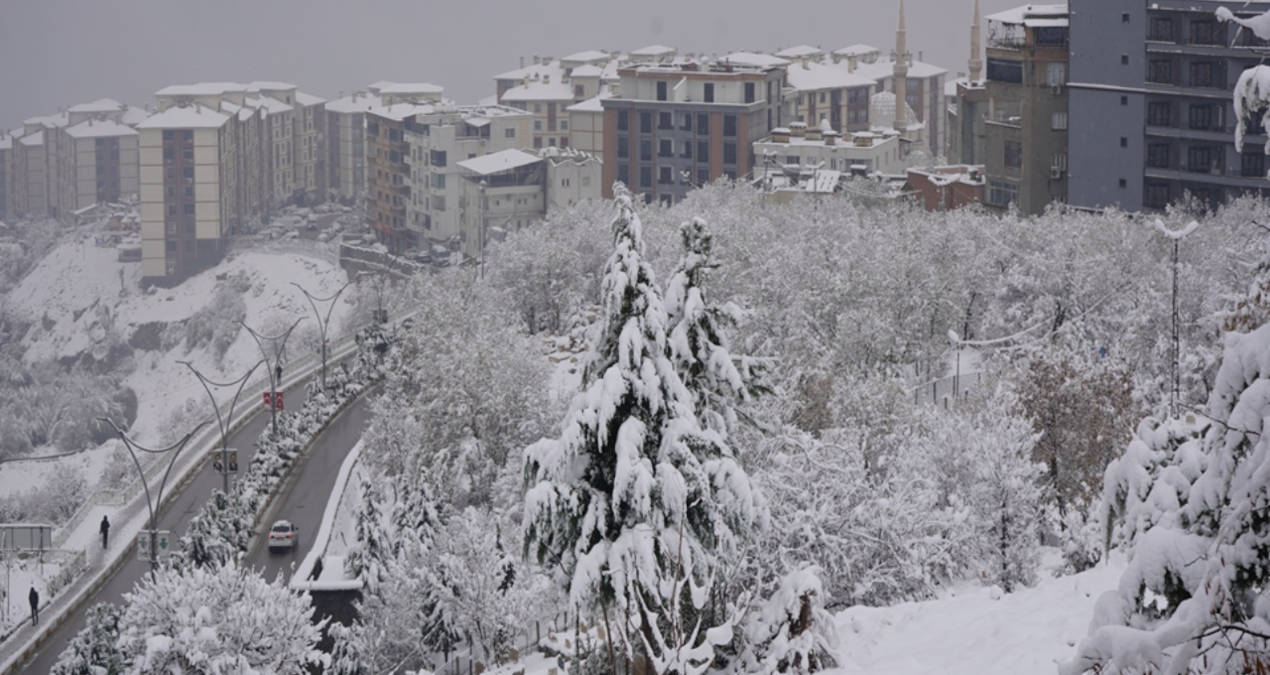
(95, 650)
(790, 632)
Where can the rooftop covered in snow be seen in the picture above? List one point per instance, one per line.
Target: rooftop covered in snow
(185, 117)
(498, 162)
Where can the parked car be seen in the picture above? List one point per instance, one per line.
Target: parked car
(282, 535)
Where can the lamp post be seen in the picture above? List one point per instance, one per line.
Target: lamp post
(273, 367)
(323, 321)
(1177, 236)
(133, 447)
(222, 422)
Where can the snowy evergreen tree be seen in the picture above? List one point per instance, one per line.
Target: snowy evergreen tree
(698, 348)
(94, 651)
(218, 533)
(636, 506)
(1193, 598)
(373, 550)
(222, 620)
(790, 632)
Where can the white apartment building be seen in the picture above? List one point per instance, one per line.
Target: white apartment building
(438, 141)
(346, 144)
(800, 149)
(549, 87)
(99, 163)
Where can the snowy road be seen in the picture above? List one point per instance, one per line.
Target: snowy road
(304, 501)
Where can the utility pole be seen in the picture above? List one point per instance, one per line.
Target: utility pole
(151, 504)
(323, 321)
(273, 366)
(223, 421)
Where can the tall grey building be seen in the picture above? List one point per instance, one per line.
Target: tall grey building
(1150, 101)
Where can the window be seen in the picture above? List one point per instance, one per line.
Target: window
(664, 176)
(1201, 117)
(1252, 165)
(624, 174)
(729, 126)
(437, 158)
(623, 147)
(703, 124)
(646, 150)
(1160, 114)
(586, 181)
(1124, 17)
(551, 142)
(703, 152)
(645, 176)
(1058, 162)
(1014, 154)
(1200, 159)
(729, 153)
(1124, 142)
(685, 122)
(438, 180)
(1202, 74)
(1157, 195)
(1124, 100)
(749, 92)
(509, 133)
(1123, 183)
(665, 148)
(171, 245)
(1058, 121)
(1055, 73)
(537, 141)
(577, 91)
(1160, 71)
(1005, 70)
(189, 209)
(537, 108)
(686, 150)
(187, 172)
(661, 90)
(537, 125)
(664, 120)
(1001, 193)
(623, 120)
(703, 176)
(1160, 29)
(1159, 155)
(646, 122)
(1205, 33)
(709, 92)
(564, 141)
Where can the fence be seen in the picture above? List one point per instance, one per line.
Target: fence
(943, 390)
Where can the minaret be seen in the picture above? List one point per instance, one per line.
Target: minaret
(976, 63)
(901, 75)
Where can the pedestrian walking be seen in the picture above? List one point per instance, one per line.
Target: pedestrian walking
(34, 596)
(105, 532)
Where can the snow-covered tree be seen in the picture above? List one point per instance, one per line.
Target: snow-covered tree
(698, 347)
(94, 651)
(221, 620)
(218, 533)
(790, 632)
(373, 549)
(1193, 599)
(635, 505)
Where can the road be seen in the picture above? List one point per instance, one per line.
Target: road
(305, 496)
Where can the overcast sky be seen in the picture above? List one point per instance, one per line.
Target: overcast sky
(63, 52)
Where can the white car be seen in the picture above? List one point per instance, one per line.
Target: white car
(282, 535)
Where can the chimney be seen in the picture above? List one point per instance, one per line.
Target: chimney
(536, 59)
(798, 129)
(920, 58)
(805, 66)
(813, 133)
(851, 63)
(522, 61)
(831, 137)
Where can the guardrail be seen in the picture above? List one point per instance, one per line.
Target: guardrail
(300, 579)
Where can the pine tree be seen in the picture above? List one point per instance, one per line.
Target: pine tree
(94, 650)
(698, 348)
(636, 505)
(373, 550)
(220, 531)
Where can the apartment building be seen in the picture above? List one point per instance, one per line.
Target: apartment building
(1151, 120)
(98, 162)
(800, 149)
(388, 185)
(549, 87)
(678, 124)
(35, 163)
(823, 93)
(1025, 133)
(346, 144)
(438, 140)
(189, 186)
(8, 176)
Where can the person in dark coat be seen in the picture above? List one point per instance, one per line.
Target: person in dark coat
(105, 532)
(34, 596)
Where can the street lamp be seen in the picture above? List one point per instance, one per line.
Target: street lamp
(151, 504)
(323, 322)
(1177, 236)
(223, 422)
(274, 367)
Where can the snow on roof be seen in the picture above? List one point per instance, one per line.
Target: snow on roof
(1032, 16)
(588, 71)
(815, 76)
(653, 50)
(36, 138)
(498, 162)
(799, 52)
(488, 100)
(269, 104)
(540, 91)
(884, 68)
(49, 121)
(407, 88)
(255, 87)
(100, 129)
(755, 59)
(308, 99)
(100, 105)
(201, 89)
(353, 104)
(6, 141)
(592, 105)
(553, 69)
(400, 111)
(857, 50)
(185, 117)
(587, 56)
(132, 115)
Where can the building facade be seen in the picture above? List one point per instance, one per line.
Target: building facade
(1025, 133)
(1150, 100)
(680, 124)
